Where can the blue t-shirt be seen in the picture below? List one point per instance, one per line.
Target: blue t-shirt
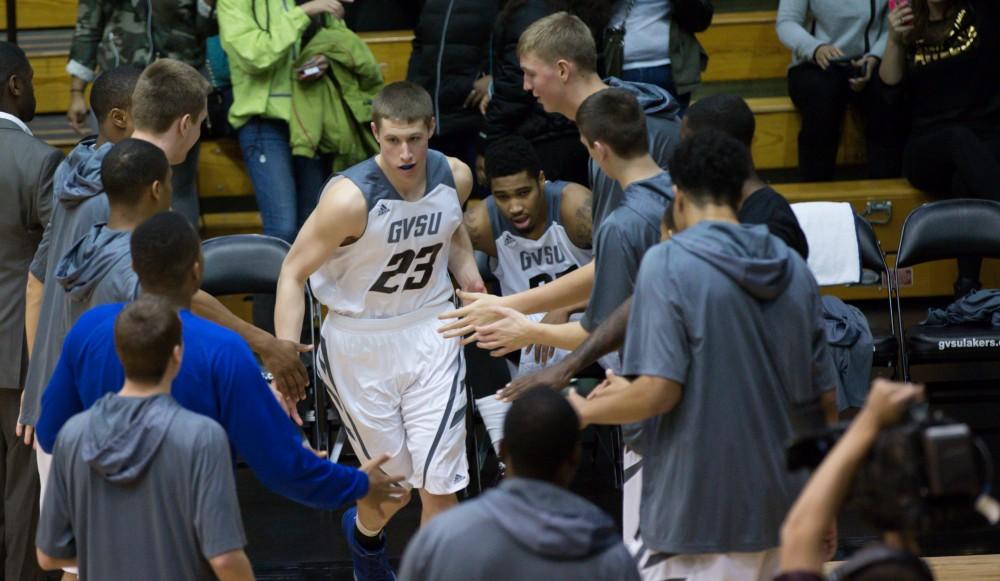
(219, 378)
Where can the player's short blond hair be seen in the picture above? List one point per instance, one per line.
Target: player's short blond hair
(560, 36)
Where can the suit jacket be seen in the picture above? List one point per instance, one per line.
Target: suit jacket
(27, 166)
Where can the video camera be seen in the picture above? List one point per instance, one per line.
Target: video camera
(926, 472)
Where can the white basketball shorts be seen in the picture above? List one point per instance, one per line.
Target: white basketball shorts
(399, 388)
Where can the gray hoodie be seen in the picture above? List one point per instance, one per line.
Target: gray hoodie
(706, 315)
(525, 529)
(127, 470)
(80, 204)
(98, 270)
(123, 434)
(663, 128)
(856, 27)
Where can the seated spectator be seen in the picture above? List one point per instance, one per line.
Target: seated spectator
(815, 512)
(944, 56)
(448, 59)
(835, 63)
(140, 487)
(261, 39)
(675, 64)
(113, 34)
(531, 526)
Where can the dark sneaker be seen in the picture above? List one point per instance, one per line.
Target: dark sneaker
(368, 565)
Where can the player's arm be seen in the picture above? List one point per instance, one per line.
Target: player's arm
(477, 223)
(607, 337)
(232, 566)
(32, 309)
(50, 563)
(576, 214)
(513, 331)
(461, 258)
(341, 214)
(564, 291)
(816, 508)
(625, 402)
(279, 357)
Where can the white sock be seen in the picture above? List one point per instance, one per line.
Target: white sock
(493, 412)
(365, 531)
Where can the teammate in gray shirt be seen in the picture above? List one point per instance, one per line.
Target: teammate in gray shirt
(141, 488)
(714, 381)
(531, 526)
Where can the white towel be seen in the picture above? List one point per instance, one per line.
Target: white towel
(834, 257)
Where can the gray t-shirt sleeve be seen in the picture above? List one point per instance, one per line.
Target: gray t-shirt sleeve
(615, 270)
(217, 519)
(41, 260)
(55, 527)
(656, 342)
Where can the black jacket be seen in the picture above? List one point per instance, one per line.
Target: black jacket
(450, 50)
(512, 110)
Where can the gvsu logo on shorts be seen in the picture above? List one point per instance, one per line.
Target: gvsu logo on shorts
(967, 343)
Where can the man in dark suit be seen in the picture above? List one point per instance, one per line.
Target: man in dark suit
(26, 169)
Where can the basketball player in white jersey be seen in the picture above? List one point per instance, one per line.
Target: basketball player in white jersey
(377, 251)
(534, 231)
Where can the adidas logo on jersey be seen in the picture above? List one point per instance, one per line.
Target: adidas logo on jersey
(509, 240)
(382, 209)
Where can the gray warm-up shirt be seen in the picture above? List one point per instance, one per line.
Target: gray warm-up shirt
(79, 204)
(621, 241)
(663, 132)
(141, 488)
(734, 316)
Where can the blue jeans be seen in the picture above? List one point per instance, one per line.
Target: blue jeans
(287, 186)
(661, 76)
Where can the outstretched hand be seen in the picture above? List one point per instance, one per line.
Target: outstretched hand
(888, 400)
(556, 376)
(511, 331)
(473, 312)
(382, 488)
(281, 358)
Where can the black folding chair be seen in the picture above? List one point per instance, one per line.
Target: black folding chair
(251, 264)
(943, 230)
(873, 259)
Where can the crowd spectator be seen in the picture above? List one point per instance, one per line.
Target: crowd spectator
(943, 56)
(262, 40)
(139, 477)
(836, 49)
(658, 49)
(531, 526)
(27, 167)
(449, 58)
(111, 34)
(805, 532)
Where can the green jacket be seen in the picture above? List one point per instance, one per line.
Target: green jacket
(110, 33)
(687, 59)
(333, 114)
(261, 39)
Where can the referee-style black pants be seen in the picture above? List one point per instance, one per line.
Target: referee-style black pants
(20, 495)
